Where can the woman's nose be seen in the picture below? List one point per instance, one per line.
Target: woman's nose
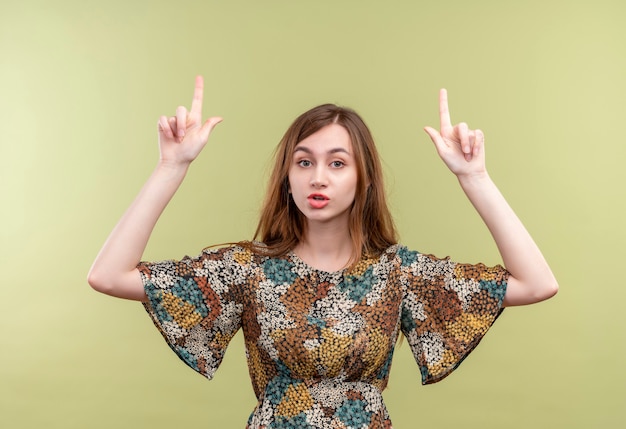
(319, 178)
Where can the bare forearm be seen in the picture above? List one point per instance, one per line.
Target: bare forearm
(181, 139)
(113, 271)
(531, 277)
(462, 150)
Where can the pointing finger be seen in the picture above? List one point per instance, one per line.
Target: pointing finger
(196, 103)
(444, 112)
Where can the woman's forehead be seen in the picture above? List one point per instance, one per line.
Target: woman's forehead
(332, 138)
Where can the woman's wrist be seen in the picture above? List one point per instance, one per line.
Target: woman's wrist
(474, 179)
(172, 167)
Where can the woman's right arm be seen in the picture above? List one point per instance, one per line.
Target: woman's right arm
(181, 138)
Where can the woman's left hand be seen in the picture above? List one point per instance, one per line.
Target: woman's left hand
(531, 279)
(461, 148)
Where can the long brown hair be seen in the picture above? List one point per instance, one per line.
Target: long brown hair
(282, 226)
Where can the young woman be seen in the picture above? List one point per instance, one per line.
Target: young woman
(324, 292)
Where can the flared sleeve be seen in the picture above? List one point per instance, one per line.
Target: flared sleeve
(447, 309)
(196, 304)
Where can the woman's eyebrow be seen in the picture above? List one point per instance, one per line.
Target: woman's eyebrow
(309, 151)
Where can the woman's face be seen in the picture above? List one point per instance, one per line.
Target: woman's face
(323, 175)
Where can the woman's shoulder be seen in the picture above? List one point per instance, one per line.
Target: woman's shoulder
(254, 247)
(407, 257)
(400, 252)
(249, 254)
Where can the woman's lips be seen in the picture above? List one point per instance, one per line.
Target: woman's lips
(318, 201)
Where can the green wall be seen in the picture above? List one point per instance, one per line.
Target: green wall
(82, 85)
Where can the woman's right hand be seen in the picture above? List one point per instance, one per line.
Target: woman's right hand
(183, 136)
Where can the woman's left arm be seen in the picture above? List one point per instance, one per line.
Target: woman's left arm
(462, 149)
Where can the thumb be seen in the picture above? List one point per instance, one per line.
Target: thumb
(432, 133)
(435, 137)
(208, 126)
(440, 144)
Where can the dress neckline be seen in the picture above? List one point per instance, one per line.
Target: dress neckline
(299, 261)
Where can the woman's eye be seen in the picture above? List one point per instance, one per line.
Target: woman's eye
(337, 164)
(304, 163)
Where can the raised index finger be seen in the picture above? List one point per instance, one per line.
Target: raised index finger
(444, 112)
(198, 94)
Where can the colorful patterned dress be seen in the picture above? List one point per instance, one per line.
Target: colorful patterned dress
(319, 344)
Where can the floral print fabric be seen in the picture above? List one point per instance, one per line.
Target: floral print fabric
(319, 345)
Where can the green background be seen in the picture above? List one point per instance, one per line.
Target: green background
(82, 84)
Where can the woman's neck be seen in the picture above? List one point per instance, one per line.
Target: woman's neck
(326, 247)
